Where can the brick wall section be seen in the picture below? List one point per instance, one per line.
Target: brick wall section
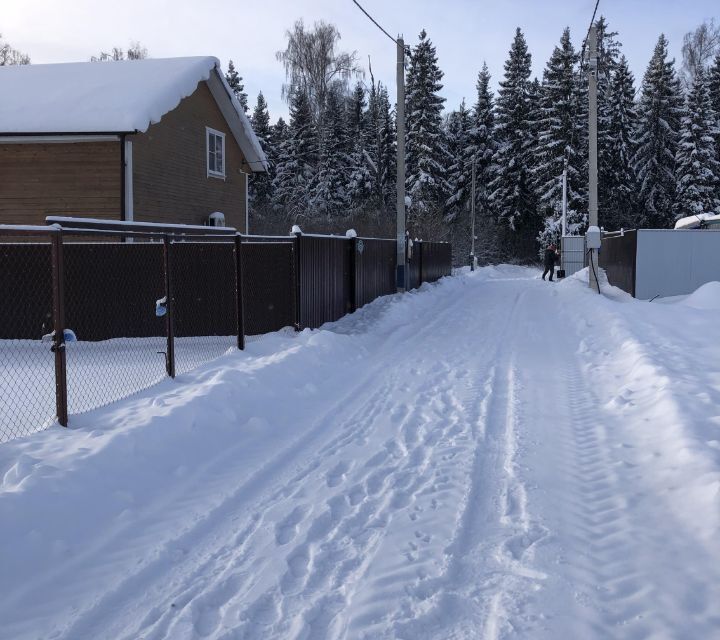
(170, 167)
(37, 180)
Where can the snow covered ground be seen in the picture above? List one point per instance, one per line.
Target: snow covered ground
(491, 456)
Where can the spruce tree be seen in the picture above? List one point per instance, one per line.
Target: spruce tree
(714, 89)
(560, 131)
(659, 113)
(329, 195)
(261, 182)
(360, 174)
(698, 170)
(482, 137)
(426, 156)
(458, 133)
(236, 84)
(511, 194)
(617, 201)
(296, 167)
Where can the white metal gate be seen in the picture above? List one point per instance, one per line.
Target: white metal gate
(573, 254)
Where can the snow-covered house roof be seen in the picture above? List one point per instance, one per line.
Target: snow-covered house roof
(698, 221)
(115, 97)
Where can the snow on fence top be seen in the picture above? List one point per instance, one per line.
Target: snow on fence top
(119, 97)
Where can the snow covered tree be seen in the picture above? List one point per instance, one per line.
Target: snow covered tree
(458, 133)
(426, 155)
(236, 84)
(360, 175)
(560, 143)
(482, 137)
(714, 90)
(296, 167)
(511, 194)
(659, 113)
(329, 191)
(617, 182)
(261, 183)
(380, 147)
(698, 170)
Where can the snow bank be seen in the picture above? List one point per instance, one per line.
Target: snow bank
(705, 297)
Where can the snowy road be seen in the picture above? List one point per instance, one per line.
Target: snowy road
(489, 457)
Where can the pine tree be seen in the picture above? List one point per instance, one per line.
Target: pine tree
(237, 86)
(329, 194)
(617, 183)
(511, 194)
(261, 183)
(426, 156)
(698, 170)
(659, 113)
(296, 167)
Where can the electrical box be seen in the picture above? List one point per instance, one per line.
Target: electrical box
(593, 238)
(216, 219)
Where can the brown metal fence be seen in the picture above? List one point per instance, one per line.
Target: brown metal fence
(85, 323)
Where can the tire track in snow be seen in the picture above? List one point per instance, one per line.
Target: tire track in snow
(203, 566)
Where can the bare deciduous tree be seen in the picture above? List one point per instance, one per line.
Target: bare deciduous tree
(9, 56)
(699, 48)
(313, 63)
(135, 52)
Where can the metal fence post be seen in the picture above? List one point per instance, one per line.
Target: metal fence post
(421, 274)
(58, 347)
(298, 283)
(352, 275)
(239, 292)
(170, 306)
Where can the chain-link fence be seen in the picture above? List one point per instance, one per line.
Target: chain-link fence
(115, 340)
(92, 314)
(27, 369)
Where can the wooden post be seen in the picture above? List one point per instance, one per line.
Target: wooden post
(239, 292)
(58, 347)
(170, 308)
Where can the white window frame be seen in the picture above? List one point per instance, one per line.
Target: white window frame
(211, 173)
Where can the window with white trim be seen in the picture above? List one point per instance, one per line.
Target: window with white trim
(215, 153)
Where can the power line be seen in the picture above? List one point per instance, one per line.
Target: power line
(587, 35)
(375, 22)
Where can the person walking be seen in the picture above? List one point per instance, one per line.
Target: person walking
(551, 257)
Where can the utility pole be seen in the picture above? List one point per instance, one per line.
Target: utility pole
(400, 114)
(593, 159)
(472, 220)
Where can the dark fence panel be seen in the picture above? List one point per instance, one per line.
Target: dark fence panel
(204, 293)
(414, 265)
(268, 285)
(617, 257)
(111, 290)
(374, 269)
(325, 292)
(25, 291)
(436, 260)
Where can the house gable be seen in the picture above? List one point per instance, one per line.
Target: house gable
(170, 177)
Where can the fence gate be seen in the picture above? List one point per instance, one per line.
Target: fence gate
(573, 257)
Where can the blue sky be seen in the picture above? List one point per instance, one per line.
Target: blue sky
(464, 32)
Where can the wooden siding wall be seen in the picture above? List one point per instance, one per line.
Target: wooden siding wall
(170, 179)
(40, 179)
